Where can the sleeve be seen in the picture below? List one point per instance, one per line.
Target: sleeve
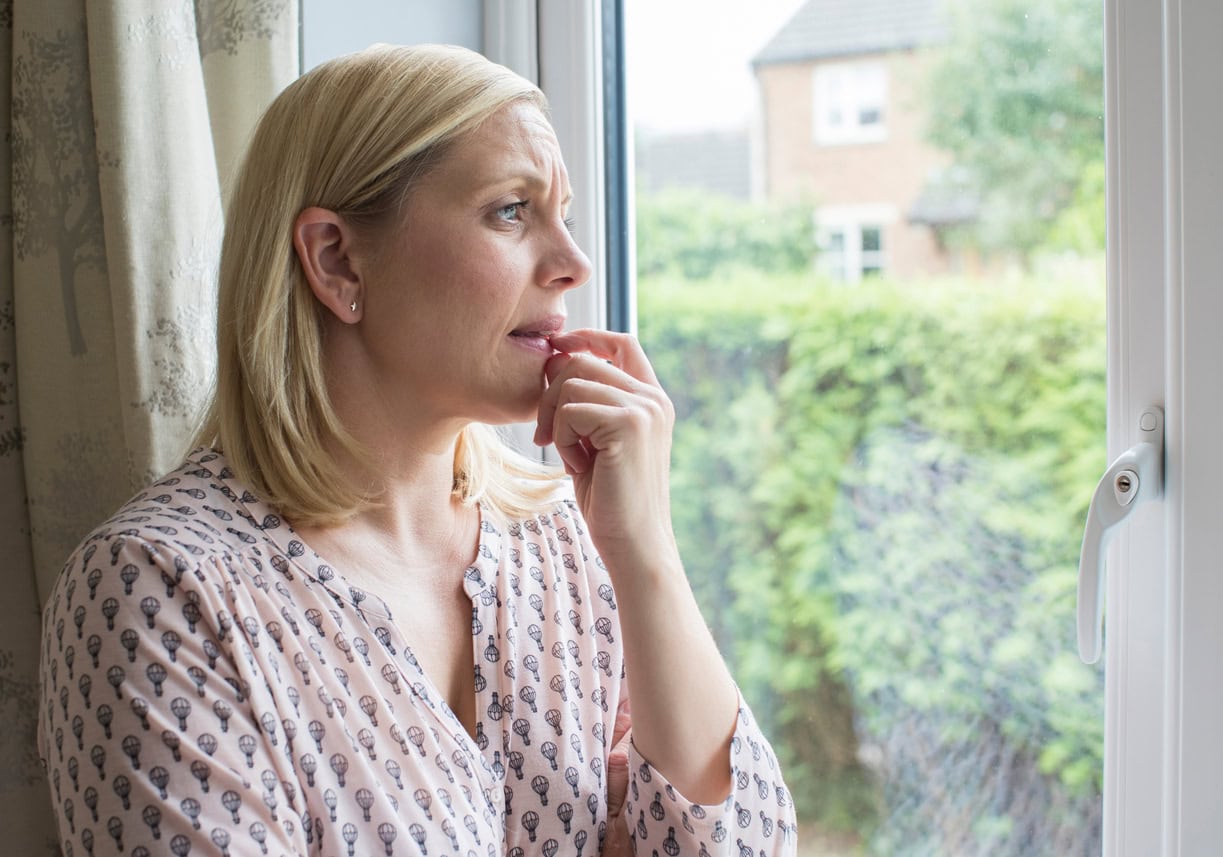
(149, 733)
(757, 818)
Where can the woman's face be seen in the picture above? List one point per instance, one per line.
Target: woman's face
(461, 294)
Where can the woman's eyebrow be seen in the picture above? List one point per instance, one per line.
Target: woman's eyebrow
(520, 170)
(529, 179)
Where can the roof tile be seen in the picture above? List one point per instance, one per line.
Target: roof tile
(827, 28)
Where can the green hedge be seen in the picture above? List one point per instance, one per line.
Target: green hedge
(879, 492)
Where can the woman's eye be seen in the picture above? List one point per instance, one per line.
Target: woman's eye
(571, 224)
(511, 213)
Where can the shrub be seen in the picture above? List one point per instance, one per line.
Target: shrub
(879, 493)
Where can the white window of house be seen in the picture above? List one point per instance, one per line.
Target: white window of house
(850, 101)
(852, 241)
(851, 252)
(871, 248)
(832, 252)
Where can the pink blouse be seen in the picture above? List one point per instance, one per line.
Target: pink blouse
(211, 686)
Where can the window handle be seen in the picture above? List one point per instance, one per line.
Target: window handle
(1136, 477)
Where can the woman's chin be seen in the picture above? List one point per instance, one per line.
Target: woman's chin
(524, 409)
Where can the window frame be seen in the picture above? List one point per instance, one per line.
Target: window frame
(846, 79)
(855, 262)
(1134, 697)
(1165, 139)
(572, 51)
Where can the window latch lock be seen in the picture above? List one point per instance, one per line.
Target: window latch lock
(1135, 478)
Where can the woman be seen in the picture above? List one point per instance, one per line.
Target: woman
(272, 647)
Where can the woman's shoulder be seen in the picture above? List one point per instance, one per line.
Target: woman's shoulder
(197, 509)
(556, 532)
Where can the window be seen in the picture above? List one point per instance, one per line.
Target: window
(850, 102)
(863, 495)
(832, 254)
(872, 251)
(851, 240)
(851, 252)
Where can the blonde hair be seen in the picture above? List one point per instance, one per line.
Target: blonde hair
(352, 135)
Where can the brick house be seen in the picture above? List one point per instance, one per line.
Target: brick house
(842, 127)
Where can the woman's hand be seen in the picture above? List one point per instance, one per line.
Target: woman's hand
(619, 840)
(611, 423)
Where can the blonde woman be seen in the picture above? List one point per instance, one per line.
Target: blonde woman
(353, 622)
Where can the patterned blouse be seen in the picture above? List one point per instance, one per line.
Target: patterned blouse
(211, 686)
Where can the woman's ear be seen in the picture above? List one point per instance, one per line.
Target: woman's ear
(324, 244)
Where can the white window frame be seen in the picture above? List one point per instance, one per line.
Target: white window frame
(833, 260)
(849, 87)
(850, 262)
(1194, 693)
(557, 44)
(1164, 126)
(849, 221)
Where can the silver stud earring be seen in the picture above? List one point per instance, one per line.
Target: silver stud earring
(353, 306)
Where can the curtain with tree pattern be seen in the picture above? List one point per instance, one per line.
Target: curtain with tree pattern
(121, 120)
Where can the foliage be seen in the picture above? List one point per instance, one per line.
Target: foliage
(720, 353)
(694, 233)
(1017, 98)
(879, 493)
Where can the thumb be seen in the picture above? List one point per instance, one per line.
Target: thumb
(617, 776)
(617, 760)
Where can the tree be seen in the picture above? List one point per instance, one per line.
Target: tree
(695, 233)
(57, 202)
(1017, 98)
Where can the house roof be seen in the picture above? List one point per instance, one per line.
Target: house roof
(827, 28)
(718, 161)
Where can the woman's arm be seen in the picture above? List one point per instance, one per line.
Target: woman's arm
(147, 730)
(611, 423)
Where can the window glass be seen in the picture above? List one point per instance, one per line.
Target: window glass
(849, 101)
(871, 240)
(879, 490)
(832, 254)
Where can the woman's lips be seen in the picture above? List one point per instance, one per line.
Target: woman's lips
(534, 341)
(536, 335)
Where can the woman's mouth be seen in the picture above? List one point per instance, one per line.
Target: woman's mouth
(536, 335)
(535, 340)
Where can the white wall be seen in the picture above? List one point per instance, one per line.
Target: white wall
(331, 28)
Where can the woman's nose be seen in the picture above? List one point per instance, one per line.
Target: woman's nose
(570, 267)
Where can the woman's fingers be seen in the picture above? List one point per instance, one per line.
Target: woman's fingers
(623, 350)
(611, 423)
(618, 759)
(579, 376)
(584, 429)
(623, 722)
(590, 416)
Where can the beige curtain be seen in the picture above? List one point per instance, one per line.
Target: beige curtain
(122, 120)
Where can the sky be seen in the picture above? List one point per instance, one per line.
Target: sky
(688, 61)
